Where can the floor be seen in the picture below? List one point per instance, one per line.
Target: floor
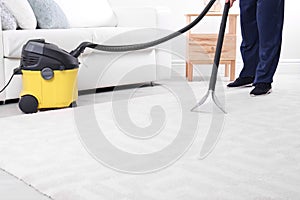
(286, 81)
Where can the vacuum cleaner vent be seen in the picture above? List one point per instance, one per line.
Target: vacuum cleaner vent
(38, 54)
(30, 60)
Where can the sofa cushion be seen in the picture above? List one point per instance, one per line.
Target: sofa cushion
(23, 13)
(48, 14)
(68, 39)
(88, 13)
(8, 21)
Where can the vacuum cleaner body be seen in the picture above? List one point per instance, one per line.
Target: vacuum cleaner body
(49, 77)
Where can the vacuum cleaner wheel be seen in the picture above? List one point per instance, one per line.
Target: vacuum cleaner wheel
(28, 104)
(73, 104)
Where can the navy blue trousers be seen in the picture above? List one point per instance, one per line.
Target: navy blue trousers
(261, 27)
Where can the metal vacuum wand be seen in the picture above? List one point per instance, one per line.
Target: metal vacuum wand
(214, 73)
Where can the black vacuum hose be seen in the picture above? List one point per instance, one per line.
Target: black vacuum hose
(213, 77)
(134, 47)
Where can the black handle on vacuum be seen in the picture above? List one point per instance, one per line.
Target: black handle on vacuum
(214, 73)
(133, 47)
(80, 49)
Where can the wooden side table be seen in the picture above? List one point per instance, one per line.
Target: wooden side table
(201, 47)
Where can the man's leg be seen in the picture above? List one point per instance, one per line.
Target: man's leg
(270, 14)
(249, 47)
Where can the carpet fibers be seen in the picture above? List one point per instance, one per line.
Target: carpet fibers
(257, 156)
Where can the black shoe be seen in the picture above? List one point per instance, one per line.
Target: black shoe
(261, 89)
(242, 82)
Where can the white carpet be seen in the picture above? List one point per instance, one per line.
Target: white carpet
(257, 157)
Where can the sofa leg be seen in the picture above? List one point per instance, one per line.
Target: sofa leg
(152, 84)
(1, 102)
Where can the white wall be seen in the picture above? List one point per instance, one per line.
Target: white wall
(291, 33)
(291, 39)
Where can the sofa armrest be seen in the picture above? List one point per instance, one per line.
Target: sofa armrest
(2, 74)
(164, 51)
(164, 18)
(149, 17)
(136, 17)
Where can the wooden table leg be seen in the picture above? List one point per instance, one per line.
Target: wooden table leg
(226, 70)
(232, 70)
(189, 71)
(186, 69)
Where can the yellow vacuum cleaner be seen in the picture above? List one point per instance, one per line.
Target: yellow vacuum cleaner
(49, 77)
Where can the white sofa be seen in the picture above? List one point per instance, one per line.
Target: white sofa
(97, 69)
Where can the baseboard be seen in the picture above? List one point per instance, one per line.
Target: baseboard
(181, 64)
(289, 62)
(281, 62)
(178, 63)
(286, 66)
